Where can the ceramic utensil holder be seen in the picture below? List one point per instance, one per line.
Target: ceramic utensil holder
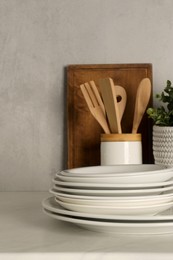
(121, 149)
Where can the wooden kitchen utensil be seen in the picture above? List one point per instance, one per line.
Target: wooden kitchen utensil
(142, 99)
(109, 96)
(97, 95)
(122, 95)
(95, 104)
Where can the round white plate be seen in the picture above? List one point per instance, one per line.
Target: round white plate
(115, 170)
(167, 195)
(130, 210)
(117, 203)
(51, 205)
(114, 182)
(116, 227)
(159, 180)
(113, 192)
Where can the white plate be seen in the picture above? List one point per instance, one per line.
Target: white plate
(116, 170)
(167, 195)
(113, 192)
(117, 203)
(130, 210)
(113, 182)
(117, 228)
(51, 205)
(98, 185)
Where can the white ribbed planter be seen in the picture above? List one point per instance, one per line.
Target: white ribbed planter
(163, 145)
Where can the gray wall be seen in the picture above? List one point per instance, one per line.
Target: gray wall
(38, 38)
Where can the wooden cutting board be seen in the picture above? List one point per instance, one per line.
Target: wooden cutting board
(83, 131)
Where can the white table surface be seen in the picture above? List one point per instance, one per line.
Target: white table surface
(27, 233)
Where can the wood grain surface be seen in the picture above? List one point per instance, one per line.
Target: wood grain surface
(83, 131)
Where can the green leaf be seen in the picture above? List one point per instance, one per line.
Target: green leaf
(161, 115)
(168, 83)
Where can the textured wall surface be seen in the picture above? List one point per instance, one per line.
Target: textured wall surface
(38, 38)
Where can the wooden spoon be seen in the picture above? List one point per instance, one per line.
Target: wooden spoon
(142, 99)
(109, 95)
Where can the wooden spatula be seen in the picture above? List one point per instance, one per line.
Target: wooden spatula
(142, 99)
(121, 100)
(108, 92)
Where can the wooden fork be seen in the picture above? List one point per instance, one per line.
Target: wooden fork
(95, 104)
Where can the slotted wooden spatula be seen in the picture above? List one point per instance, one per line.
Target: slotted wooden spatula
(142, 99)
(108, 92)
(121, 100)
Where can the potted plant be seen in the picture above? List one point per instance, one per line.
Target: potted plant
(163, 127)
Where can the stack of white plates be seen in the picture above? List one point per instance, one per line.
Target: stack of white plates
(128, 199)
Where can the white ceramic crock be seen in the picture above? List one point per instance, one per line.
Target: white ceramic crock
(121, 149)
